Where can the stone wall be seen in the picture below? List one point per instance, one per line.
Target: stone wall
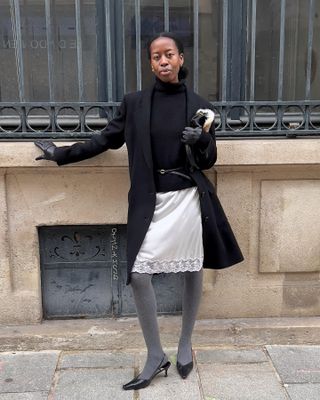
(270, 190)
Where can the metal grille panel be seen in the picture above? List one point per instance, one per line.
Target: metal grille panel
(83, 274)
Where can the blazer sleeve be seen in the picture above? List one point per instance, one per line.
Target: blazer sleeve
(112, 137)
(205, 150)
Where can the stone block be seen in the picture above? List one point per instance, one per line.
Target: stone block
(304, 391)
(290, 226)
(240, 381)
(230, 356)
(296, 364)
(24, 396)
(166, 389)
(27, 372)
(93, 384)
(96, 359)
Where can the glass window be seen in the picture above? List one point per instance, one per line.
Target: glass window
(295, 56)
(130, 45)
(315, 65)
(8, 77)
(210, 14)
(34, 58)
(180, 20)
(266, 50)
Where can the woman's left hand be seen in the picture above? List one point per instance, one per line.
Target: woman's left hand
(191, 135)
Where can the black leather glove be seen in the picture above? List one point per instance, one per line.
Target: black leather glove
(48, 149)
(191, 135)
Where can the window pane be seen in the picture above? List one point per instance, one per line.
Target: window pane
(181, 23)
(8, 77)
(65, 51)
(89, 33)
(152, 22)
(267, 50)
(209, 48)
(35, 51)
(35, 59)
(315, 66)
(296, 51)
(130, 45)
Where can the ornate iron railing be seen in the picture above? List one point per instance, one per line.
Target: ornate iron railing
(233, 119)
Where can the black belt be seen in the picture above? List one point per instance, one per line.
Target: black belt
(174, 171)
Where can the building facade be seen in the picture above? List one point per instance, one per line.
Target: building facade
(65, 68)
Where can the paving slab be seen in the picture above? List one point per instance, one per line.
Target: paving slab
(24, 396)
(304, 391)
(230, 356)
(96, 359)
(27, 371)
(240, 382)
(168, 390)
(93, 384)
(296, 364)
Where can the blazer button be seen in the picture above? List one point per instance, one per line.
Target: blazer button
(206, 218)
(203, 194)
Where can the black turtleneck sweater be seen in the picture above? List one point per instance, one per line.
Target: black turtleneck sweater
(168, 119)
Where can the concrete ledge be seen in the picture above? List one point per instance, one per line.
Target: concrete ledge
(230, 153)
(125, 333)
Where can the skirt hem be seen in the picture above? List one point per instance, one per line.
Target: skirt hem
(168, 266)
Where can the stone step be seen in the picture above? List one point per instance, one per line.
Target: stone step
(125, 333)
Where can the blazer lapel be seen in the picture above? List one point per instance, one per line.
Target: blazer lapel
(145, 115)
(192, 105)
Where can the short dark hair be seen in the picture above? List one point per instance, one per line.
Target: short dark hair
(183, 73)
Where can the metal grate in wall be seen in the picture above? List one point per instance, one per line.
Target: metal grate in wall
(83, 274)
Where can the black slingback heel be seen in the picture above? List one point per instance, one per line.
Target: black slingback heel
(138, 383)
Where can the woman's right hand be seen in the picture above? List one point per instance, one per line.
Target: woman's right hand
(48, 149)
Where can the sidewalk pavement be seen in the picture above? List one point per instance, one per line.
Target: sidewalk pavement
(276, 372)
(236, 369)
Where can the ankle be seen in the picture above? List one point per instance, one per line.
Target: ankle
(184, 355)
(184, 345)
(153, 362)
(156, 355)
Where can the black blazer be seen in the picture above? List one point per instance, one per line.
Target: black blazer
(131, 125)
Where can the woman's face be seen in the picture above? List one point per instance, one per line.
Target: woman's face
(165, 59)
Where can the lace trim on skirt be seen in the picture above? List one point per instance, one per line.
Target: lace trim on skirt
(168, 266)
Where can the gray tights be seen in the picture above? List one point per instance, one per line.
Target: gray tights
(146, 306)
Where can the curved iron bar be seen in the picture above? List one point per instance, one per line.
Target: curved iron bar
(239, 119)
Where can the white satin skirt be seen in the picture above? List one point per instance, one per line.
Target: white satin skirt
(173, 242)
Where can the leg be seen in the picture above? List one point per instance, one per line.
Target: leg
(190, 303)
(146, 305)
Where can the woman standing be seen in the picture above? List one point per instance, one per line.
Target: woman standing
(175, 220)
